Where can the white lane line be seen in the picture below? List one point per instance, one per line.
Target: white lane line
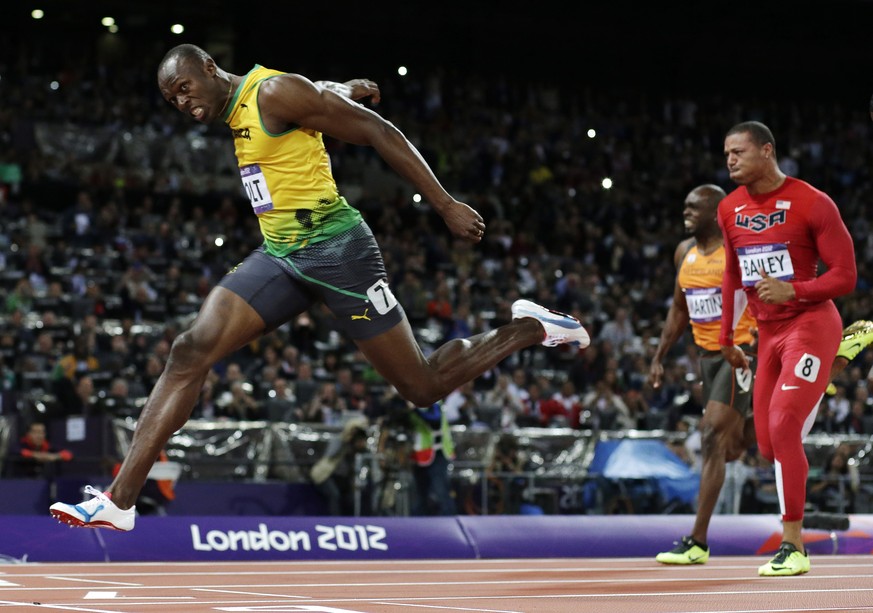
(325, 604)
(739, 592)
(288, 608)
(57, 578)
(92, 595)
(445, 571)
(60, 607)
(746, 580)
(444, 608)
(246, 593)
(784, 610)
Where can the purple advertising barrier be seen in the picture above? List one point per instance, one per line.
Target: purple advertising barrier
(289, 538)
(37, 538)
(23, 496)
(42, 539)
(646, 535)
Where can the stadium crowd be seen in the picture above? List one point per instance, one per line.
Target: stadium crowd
(118, 217)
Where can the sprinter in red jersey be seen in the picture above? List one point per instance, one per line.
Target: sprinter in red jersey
(776, 230)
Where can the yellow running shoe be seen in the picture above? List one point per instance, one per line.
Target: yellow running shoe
(787, 561)
(831, 389)
(686, 551)
(855, 338)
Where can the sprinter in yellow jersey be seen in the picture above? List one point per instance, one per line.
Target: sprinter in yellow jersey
(316, 249)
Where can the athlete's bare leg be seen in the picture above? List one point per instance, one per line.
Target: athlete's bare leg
(792, 532)
(423, 381)
(724, 433)
(225, 323)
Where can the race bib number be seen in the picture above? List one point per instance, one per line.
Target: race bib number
(704, 304)
(744, 379)
(256, 188)
(807, 367)
(381, 297)
(771, 259)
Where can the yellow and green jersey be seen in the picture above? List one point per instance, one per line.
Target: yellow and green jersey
(286, 176)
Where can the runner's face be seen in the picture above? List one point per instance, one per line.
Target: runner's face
(188, 86)
(746, 161)
(691, 213)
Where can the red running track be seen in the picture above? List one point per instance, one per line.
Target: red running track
(613, 585)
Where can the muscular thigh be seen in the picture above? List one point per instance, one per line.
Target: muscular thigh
(348, 274)
(800, 353)
(264, 284)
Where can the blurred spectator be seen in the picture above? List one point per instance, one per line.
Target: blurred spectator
(21, 297)
(334, 473)
(119, 359)
(439, 307)
(206, 407)
(281, 405)
(838, 410)
(82, 400)
(148, 377)
(859, 420)
(411, 294)
(42, 356)
(607, 409)
(758, 494)
(833, 487)
(507, 481)
(137, 291)
(618, 331)
(305, 385)
(432, 451)
(461, 406)
(117, 402)
(290, 362)
(78, 221)
(326, 407)
(460, 325)
(79, 361)
(501, 400)
(35, 456)
(237, 403)
(563, 408)
(532, 407)
(326, 370)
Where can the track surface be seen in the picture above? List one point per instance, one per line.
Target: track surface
(612, 585)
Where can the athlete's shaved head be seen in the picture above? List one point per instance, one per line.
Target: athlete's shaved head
(709, 195)
(700, 211)
(182, 53)
(758, 133)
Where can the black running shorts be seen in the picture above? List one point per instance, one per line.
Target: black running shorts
(724, 383)
(345, 272)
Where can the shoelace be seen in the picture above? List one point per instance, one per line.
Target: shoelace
(782, 555)
(683, 545)
(96, 493)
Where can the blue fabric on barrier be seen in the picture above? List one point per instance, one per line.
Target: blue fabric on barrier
(646, 459)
